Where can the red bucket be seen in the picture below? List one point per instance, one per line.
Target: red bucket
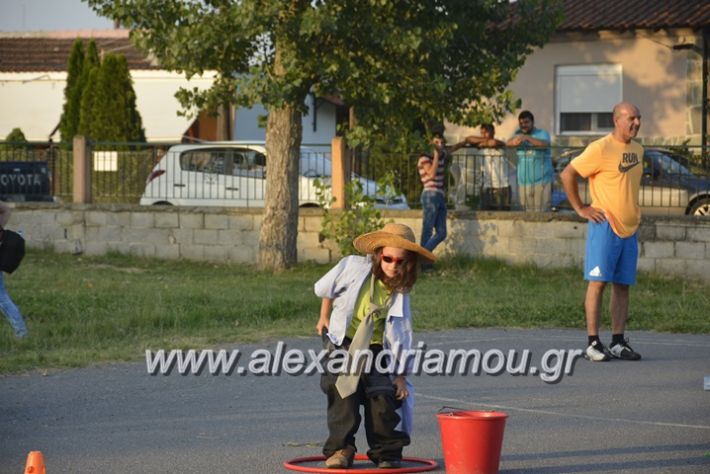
(472, 440)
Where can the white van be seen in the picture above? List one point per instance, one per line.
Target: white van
(233, 174)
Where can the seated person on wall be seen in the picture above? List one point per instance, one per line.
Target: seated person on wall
(495, 194)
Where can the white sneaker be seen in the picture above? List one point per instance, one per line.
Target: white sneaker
(596, 352)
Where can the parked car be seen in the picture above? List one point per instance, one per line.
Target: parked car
(233, 174)
(667, 185)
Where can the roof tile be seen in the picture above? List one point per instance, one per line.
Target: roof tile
(593, 15)
(43, 54)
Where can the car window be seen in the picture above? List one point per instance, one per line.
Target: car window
(313, 164)
(249, 163)
(217, 161)
(226, 161)
(195, 160)
(663, 163)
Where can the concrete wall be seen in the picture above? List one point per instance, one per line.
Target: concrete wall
(669, 246)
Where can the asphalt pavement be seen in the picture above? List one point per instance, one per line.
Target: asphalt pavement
(650, 416)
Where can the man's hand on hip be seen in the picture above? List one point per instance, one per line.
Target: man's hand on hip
(592, 214)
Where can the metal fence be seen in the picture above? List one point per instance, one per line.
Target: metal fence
(119, 171)
(676, 180)
(35, 171)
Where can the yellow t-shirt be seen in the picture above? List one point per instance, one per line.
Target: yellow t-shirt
(614, 170)
(362, 307)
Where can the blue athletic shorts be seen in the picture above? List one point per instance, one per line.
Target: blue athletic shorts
(609, 257)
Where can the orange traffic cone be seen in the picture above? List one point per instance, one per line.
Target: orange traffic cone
(35, 463)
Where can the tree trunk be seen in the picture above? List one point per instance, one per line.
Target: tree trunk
(279, 230)
(224, 122)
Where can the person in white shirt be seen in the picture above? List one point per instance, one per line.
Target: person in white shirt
(495, 194)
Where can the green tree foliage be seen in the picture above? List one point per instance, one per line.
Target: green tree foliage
(69, 122)
(15, 146)
(113, 111)
(397, 62)
(81, 63)
(99, 98)
(342, 226)
(91, 62)
(134, 123)
(88, 98)
(87, 88)
(108, 105)
(16, 136)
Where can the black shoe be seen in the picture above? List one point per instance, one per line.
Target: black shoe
(624, 351)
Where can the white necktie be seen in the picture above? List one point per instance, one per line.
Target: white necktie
(347, 383)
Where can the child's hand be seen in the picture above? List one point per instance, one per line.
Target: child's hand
(322, 324)
(400, 387)
(324, 317)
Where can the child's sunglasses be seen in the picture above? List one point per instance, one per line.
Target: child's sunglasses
(391, 259)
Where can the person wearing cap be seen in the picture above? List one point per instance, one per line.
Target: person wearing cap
(370, 295)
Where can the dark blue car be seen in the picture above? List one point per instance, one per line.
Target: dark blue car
(667, 186)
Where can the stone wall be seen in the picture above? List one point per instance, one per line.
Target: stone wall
(677, 246)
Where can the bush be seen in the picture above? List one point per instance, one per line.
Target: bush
(358, 217)
(16, 137)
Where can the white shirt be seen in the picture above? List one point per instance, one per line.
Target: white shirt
(342, 284)
(495, 168)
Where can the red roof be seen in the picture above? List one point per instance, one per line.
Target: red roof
(593, 15)
(50, 52)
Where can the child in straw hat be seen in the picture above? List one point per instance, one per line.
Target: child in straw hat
(370, 293)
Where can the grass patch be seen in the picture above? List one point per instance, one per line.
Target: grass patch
(82, 310)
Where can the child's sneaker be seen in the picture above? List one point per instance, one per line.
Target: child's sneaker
(624, 351)
(596, 352)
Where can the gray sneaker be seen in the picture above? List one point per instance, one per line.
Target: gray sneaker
(596, 352)
(624, 351)
(391, 464)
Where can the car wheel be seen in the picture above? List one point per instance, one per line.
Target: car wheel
(163, 203)
(701, 207)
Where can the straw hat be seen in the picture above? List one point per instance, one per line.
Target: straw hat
(392, 235)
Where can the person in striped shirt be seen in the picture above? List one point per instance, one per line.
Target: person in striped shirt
(432, 174)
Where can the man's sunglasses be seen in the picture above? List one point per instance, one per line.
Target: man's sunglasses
(390, 259)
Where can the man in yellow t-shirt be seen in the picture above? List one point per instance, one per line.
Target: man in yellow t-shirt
(613, 166)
